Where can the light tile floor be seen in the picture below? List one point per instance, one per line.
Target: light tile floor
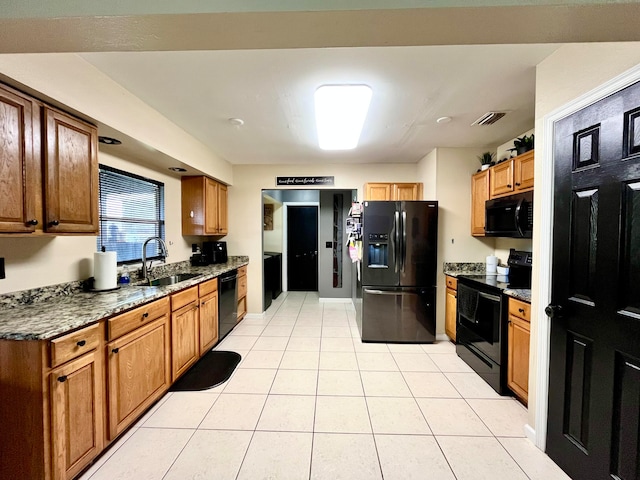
(309, 400)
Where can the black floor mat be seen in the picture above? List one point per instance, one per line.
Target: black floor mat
(211, 370)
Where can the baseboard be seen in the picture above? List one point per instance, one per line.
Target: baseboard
(442, 337)
(335, 300)
(256, 316)
(530, 433)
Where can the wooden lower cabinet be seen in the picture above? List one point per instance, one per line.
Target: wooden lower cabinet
(242, 292)
(138, 371)
(518, 354)
(77, 416)
(185, 345)
(208, 322)
(451, 307)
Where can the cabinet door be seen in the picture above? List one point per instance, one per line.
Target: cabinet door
(139, 372)
(223, 227)
(502, 178)
(77, 429)
(185, 347)
(377, 191)
(19, 167)
(71, 174)
(211, 207)
(450, 314)
(523, 171)
(407, 191)
(242, 293)
(208, 322)
(518, 363)
(479, 195)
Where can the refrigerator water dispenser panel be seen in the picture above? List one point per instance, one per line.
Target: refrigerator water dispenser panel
(378, 253)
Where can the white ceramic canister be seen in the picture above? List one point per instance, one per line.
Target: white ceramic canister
(492, 263)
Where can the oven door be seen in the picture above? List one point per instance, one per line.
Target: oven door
(480, 321)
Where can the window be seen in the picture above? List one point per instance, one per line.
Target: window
(131, 210)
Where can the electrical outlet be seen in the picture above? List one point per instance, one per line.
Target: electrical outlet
(2, 268)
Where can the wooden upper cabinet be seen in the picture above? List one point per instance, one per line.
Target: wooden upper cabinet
(502, 178)
(20, 174)
(523, 171)
(513, 176)
(70, 174)
(393, 191)
(204, 206)
(407, 191)
(377, 191)
(479, 195)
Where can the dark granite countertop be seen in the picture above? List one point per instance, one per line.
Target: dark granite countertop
(54, 315)
(454, 269)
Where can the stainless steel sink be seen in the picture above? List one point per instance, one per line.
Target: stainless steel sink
(181, 277)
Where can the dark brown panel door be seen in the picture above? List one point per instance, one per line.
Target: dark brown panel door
(71, 174)
(594, 377)
(19, 175)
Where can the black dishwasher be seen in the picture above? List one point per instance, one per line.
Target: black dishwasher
(227, 302)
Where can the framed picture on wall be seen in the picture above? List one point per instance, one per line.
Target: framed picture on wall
(268, 216)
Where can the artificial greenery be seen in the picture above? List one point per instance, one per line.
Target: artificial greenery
(523, 144)
(486, 158)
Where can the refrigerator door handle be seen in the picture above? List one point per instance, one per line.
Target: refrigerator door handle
(392, 293)
(404, 239)
(395, 244)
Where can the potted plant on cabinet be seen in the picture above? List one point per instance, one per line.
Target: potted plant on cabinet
(523, 144)
(486, 159)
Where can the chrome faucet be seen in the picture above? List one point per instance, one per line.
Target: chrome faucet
(164, 254)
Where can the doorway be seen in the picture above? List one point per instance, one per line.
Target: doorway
(593, 422)
(302, 248)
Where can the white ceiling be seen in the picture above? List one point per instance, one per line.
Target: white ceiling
(272, 91)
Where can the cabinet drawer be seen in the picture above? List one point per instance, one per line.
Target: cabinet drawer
(185, 297)
(452, 282)
(242, 286)
(520, 309)
(129, 321)
(242, 270)
(205, 288)
(75, 344)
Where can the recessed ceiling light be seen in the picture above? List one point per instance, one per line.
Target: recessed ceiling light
(236, 122)
(177, 169)
(109, 141)
(340, 114)
(443, 120)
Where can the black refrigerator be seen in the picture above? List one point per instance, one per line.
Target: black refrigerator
(399, 271)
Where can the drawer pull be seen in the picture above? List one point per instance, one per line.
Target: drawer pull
(509, 185)
(32, 222)
(517, 184)
(62, 379)
(145, 314)
(81, 343)
(54, 223)
(115, 350)
(521, 310)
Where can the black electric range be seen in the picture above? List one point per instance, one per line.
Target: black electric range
(482, 319)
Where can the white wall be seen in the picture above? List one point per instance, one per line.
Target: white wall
(245, 200)
(446, 174)
(35, 262)
(272, 239)
(568, 73)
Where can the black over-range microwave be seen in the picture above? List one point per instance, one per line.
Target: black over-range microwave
(510, 216)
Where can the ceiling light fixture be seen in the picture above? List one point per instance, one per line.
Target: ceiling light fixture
(340, 114)
(236, 122)
(443, 120)
(109, 140)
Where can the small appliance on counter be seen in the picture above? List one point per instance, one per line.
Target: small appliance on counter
(216, 252)
(211, 253)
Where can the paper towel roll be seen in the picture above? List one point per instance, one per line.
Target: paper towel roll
(105, 272)
(492, 262)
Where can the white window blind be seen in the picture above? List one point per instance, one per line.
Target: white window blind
(131, 210)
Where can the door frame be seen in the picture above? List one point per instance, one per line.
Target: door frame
(285, 229)
(544, 195)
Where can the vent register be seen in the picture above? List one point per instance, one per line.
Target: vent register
(489, 118)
